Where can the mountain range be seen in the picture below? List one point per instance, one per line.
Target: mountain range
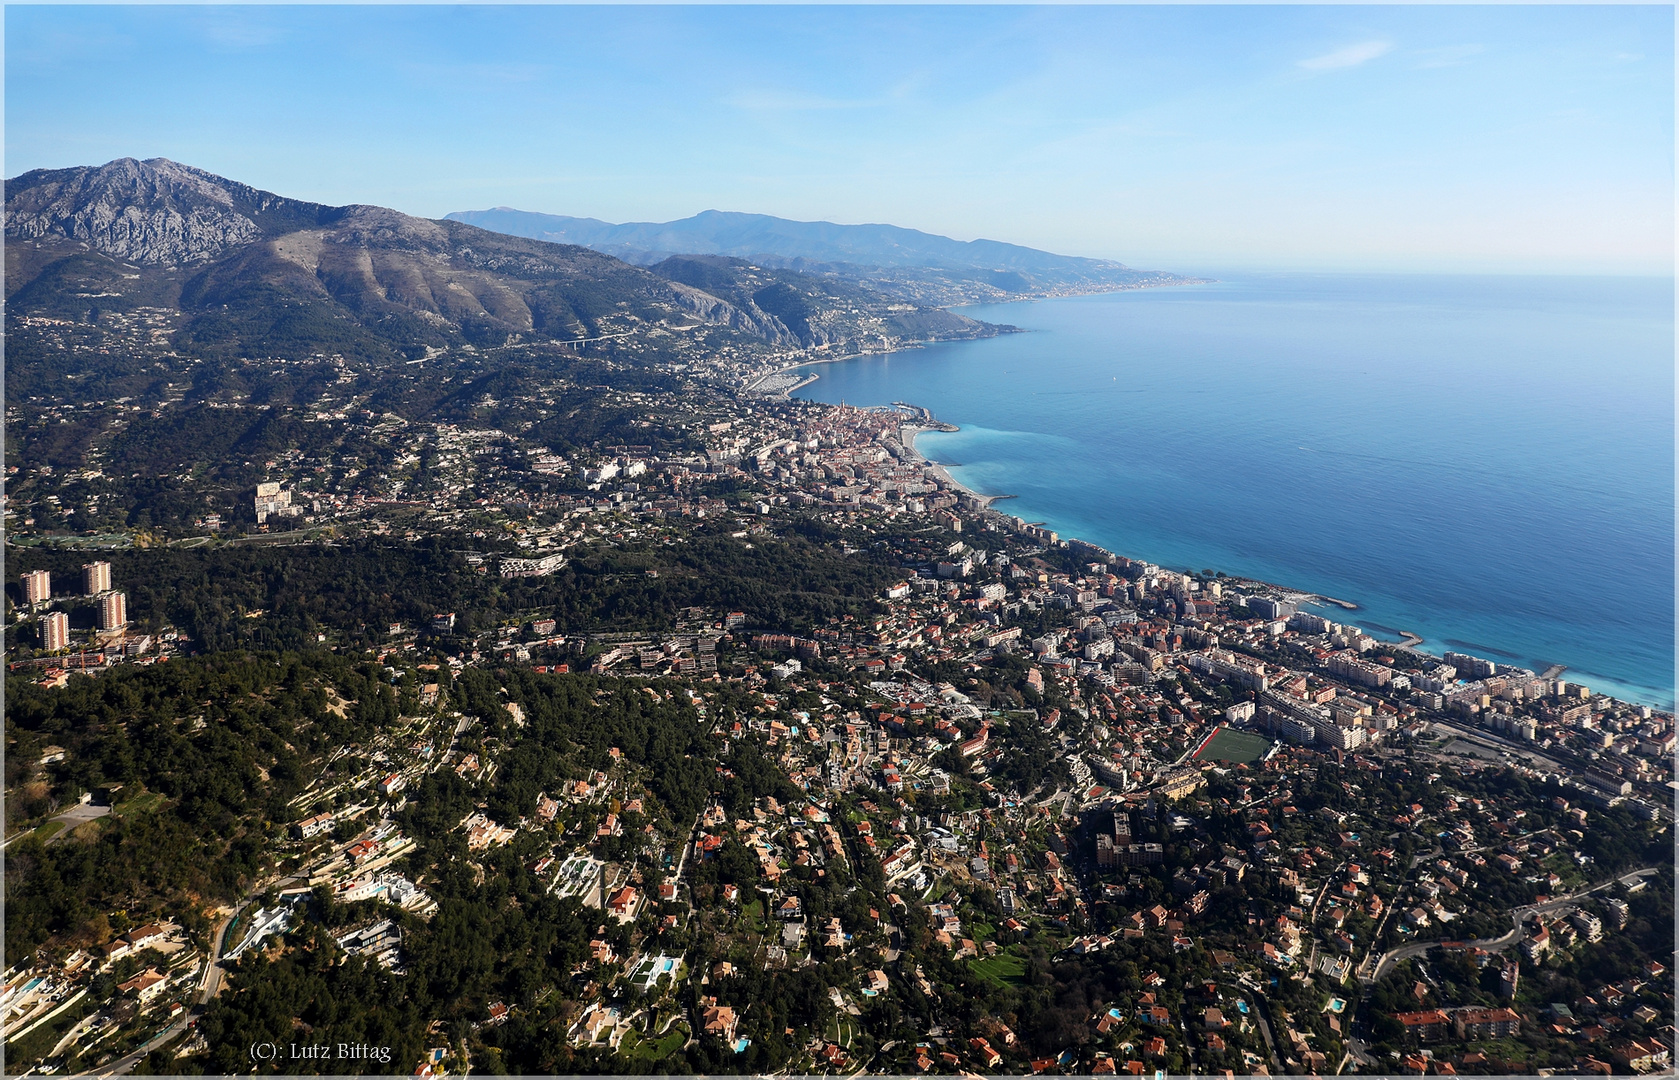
(912, 265)
(242, 272)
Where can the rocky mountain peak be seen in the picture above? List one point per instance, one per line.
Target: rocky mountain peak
(155, 212)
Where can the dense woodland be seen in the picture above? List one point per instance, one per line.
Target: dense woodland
(200, 757)
(354, 590)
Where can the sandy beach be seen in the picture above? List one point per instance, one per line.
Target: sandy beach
(907, 435)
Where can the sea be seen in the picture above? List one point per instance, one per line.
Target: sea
(1487, 462)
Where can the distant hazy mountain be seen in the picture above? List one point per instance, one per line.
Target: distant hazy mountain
(250, 273)
(906, 262)
(785, 305)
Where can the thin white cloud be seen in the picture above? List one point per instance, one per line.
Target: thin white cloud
(1350, 56)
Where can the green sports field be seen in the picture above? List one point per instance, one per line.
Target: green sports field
(1235, 746)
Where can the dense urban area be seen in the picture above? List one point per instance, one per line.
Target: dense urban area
(597, 708)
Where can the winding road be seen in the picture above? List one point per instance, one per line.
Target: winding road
(1519, 915)
(214, 976)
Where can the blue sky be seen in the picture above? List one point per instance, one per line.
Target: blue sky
(1413, 138)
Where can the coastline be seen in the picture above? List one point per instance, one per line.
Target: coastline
(757, 385)
(1389, 610)
(908, 433)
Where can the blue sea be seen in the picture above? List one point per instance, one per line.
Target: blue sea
(1484, 461)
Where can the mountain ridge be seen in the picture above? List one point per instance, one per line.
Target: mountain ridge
(730, 232)
(914, 265)
(254, 273)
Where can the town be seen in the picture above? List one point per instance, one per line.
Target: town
(1026, 806)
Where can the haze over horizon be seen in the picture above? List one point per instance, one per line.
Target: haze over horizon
(1188, 139)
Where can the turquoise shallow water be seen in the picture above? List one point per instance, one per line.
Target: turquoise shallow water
(1485, 461)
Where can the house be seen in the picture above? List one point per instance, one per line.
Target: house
(1640, 1055)
(482, 833)
(623, 903)
(718, 1020)
(987, 1055)
(598, 1020)
(148, 984)
(311, 827)
(146, 935)
(833, 934)
(391, 784)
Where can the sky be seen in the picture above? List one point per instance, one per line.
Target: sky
(1501, 139)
